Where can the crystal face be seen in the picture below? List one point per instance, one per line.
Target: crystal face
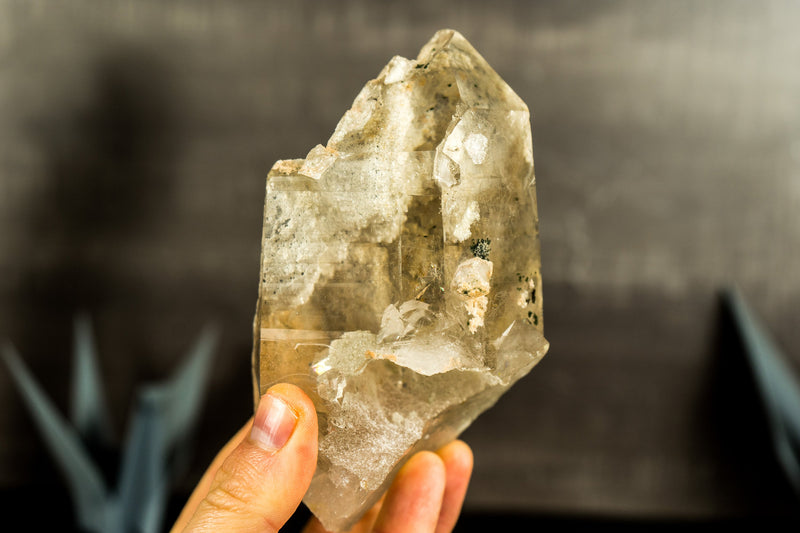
(400, 272)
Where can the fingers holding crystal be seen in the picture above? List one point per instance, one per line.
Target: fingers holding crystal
(408, 505)
(260, 484)
(364, 525)
(457, 458)
(414, 500)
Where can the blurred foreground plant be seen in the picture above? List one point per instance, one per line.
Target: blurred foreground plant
(156, 448)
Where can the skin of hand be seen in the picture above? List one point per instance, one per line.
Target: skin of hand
(259, 478)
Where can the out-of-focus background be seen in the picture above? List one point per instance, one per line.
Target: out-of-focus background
(135, 137)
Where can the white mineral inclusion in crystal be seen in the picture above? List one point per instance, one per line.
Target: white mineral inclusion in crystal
(400, 281)
(471, 283)
(524, 297)
(476, 144)
(461, 231)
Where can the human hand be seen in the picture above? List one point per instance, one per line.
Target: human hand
(259, 478)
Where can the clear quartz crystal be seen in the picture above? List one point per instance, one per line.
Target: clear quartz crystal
(400, 274)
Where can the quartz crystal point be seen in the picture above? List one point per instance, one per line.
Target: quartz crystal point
(400, 283)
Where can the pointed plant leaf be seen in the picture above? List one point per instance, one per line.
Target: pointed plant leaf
(184, 392)
(89, 407)
(165, 413)
(776, 383)
(83, 479)
(143, 480)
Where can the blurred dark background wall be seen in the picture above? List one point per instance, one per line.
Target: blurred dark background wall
(135, 138)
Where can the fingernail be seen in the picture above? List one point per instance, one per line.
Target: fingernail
(273, 424)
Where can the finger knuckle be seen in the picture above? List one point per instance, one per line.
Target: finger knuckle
(228, 501)
(224, 500)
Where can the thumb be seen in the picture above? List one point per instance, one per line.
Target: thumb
(263, 480)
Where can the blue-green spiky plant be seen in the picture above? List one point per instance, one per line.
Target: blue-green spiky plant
(777, 386)
(156, 445)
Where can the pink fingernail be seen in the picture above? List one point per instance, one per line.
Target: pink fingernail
(273, 424)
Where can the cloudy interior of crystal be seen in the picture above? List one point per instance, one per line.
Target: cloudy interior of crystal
(400, 282)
